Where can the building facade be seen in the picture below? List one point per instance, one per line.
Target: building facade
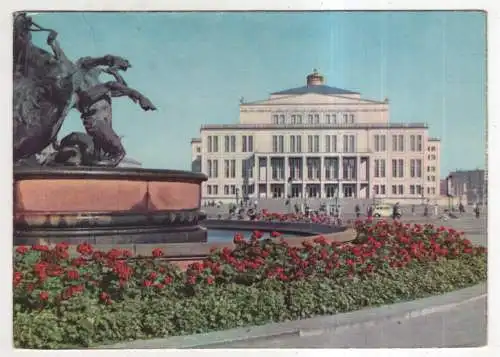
(317, 141)
(467, 186)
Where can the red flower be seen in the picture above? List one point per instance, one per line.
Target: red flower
(168, 280)
(44, 295)
(159, 286)
(62, 246)
(126, 253)
(157, 252)
(78, 262)
(40, 248)
(84, 249)
(73, 275)
(210, 280)
(238, 238)
(105, 297)
(257, 234)
(113, 254)
(21, 249)
(153, 275)
(191, 280)
(18, 277)
(275, 234)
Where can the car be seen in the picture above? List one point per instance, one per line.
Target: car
(383, 211)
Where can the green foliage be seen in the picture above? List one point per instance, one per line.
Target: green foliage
(109, 297)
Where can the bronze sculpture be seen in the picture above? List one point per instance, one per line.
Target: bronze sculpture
(48, 85)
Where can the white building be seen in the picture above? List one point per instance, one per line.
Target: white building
(317, 141)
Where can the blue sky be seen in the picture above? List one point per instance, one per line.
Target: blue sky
(196, 66)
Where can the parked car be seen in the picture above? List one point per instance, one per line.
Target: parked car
(383, 211)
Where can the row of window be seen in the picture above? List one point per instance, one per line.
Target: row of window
(330, 143)
(331, 166)
(230, 143)
(313, 143)
(331, 190)
(400, 190)
(313, 118)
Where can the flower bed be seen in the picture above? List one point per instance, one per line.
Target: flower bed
(105, 297)
(319, 218)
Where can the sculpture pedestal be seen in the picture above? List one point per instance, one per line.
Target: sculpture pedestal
(106, 206)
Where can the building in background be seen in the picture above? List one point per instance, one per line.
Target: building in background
(196, 155)
(317, 141)
(468, 186)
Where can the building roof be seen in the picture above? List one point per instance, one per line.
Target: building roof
(195, 140)
(433, 139)
(318, 89)
(363, 126)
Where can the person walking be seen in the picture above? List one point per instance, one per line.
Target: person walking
(357, 210)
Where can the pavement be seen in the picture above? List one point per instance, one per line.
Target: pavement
(464, 326)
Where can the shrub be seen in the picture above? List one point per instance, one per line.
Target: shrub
(102, 297)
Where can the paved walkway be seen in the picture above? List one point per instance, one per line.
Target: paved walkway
(461, 327)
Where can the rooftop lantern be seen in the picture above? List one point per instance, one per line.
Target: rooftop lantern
(315, 79)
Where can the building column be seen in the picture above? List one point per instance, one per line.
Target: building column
(287, 175)
(304, 175)
(268, 177)
(322, 177)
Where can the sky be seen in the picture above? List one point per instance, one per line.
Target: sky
(196, 66)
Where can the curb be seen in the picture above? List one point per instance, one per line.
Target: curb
(317, 325)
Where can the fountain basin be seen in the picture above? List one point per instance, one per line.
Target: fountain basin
(107, 206)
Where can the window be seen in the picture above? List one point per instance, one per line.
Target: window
(330, 143)
(376, 190)
(215, 144)
(282, 119)
(382, 189)
(379, 143)
(345, 118)
(412, 189)
(198, 149)
(413, 144)
(278, 169)
(397, 168)
(313, 168)
(416, 168)
(331, 168)
(212, 168)
(401, 143)
(212, 144)
(246, 169)
(233, 143)
(419, 142)
(226, 190)
(316, 143)
(293, 119)
(209, 168)
(394, 190)
(351, 118)
(419, 190)
(215, 189)
(209, 189)
(278, 143)
(299, 119)
(328, 119)
(215, 172)
(400, 189)
(398, 143)
(316, 118)
(226, 168)
(349, 143)
(275, 119)
(295, 143)
(310, 143)
(226, 143)
(233, 168)
(310, 119)
(247, 143)
(379, 168)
